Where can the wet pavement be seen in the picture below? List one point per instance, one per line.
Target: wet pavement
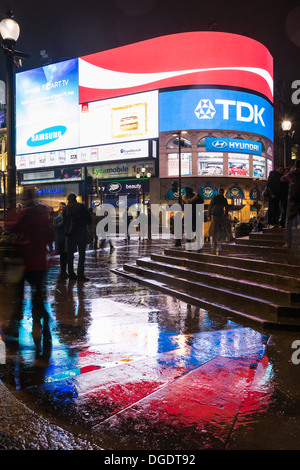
(130, 368)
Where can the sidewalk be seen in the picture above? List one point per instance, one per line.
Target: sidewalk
(134, 369)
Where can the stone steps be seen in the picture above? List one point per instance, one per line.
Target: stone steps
(250, 281)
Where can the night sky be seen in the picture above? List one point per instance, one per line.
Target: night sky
(72, 28)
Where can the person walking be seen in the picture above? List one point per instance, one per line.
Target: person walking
(218, 212)
(76, 218)
(293, 206)
(273, 185)
(283, 199)
(32, 224)
(61, 247)
(192, 199)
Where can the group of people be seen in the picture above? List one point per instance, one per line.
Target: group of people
(32, 227)
(283, 194)
(220, 227)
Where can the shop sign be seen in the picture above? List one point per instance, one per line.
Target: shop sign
(174, 194)
(51, 191)
(208, 192)
(233, 145)
(120, 169)
(124, 187)
(235, 192)
(254, 194)
(67, 174)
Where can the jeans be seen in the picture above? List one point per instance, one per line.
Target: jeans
(73, 246)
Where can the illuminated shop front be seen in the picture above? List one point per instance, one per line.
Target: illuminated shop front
(115, 112)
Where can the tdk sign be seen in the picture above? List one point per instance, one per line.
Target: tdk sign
(233, 145)
(215, 109)
(46, 136)
(243, 111)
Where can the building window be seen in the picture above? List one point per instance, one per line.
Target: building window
(210, 163)
(269, 166)
(259, 167)
(238, 164)
(173, 164)
(202, 142)
(173, 143)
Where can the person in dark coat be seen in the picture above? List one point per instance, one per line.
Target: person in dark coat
(218, 211)
(76, 218)
(273, 184)
(61, 248)
(33, 225)
(192, 199)
(293, 206)
(283, 198)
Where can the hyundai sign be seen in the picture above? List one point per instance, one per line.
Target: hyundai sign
(215, 109)
(233, 145)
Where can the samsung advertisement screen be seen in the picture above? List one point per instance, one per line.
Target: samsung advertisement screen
(47, 108)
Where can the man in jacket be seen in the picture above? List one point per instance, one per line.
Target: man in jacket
(76, 218)
(32, 224)
(218, 211)
(293, 207)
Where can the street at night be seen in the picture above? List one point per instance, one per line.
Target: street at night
(131, 368)
(150, 228)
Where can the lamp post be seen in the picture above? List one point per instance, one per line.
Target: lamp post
(178, 134)
(286, 126)
(144, 174)
(10, 30)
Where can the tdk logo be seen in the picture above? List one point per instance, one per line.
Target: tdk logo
(205, 110)
(242, 110)
(46, 136)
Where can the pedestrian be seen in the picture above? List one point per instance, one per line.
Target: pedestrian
(32, 224)
(293, 205)
(94, 223)
(106, 239)
(218, 212)
(61, 247)
(273, 186)
(283, 198)
(76, 218)
(192, 199)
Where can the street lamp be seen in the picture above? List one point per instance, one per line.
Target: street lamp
(10, 30)
(180, 143)
(286, 126)
(144, 174)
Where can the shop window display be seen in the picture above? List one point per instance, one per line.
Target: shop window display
(173, 164)
(259, 167)
(210, 163)
(238, 164)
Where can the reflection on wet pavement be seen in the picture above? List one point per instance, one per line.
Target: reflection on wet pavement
(133, 368)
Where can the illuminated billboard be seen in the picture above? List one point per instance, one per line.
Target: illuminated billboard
(121, 119)
(90, 109)
(215, 109)
(184, 59)
(47, 108)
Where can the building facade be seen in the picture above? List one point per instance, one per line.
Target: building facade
(93, 125)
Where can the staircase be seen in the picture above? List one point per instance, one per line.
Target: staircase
(254, 280)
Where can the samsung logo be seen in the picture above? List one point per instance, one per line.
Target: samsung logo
(46, 136)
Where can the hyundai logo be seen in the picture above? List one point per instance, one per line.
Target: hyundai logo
(219, 144)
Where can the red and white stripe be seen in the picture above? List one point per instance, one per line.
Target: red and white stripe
(185, 59)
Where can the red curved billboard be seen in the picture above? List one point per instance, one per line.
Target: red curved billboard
(184, 59)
